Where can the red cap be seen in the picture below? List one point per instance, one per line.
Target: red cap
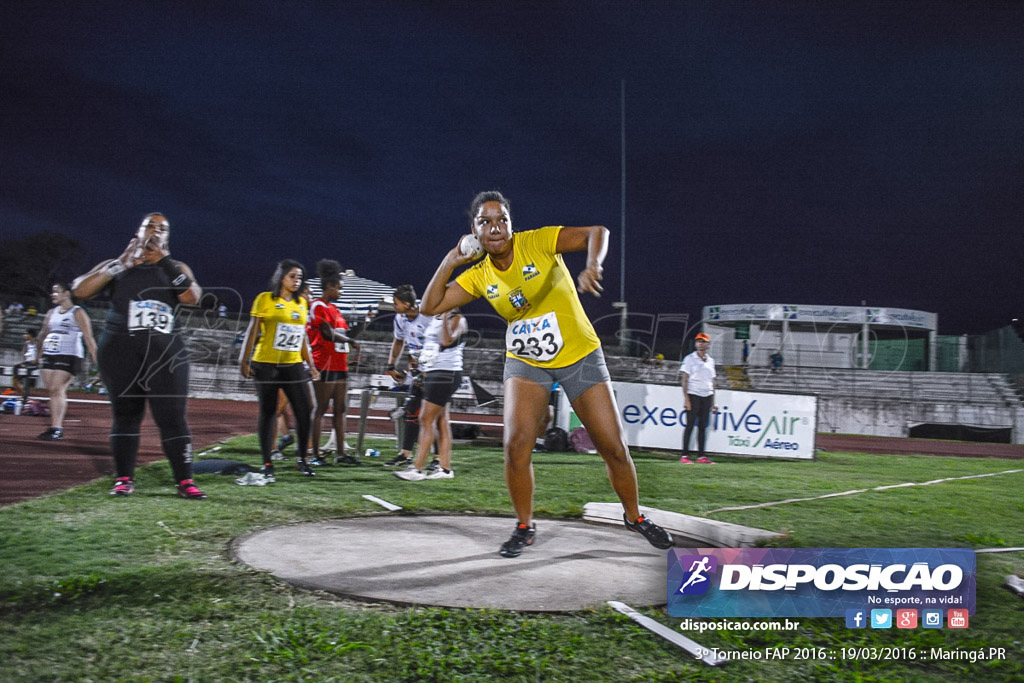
(702, 337)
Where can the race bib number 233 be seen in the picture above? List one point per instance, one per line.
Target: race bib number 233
(537, 339)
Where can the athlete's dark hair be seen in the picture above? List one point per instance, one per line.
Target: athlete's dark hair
(65, 287)
(32, 332)
(483, 198)
(406, 294)
(283, 268)
(329, 272)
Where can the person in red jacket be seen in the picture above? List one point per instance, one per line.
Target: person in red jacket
(330, 338)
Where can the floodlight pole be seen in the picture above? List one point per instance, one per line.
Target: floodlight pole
(621, 303)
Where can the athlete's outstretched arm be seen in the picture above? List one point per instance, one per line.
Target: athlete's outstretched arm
(594, 239)
(92, 283)
(441, 295)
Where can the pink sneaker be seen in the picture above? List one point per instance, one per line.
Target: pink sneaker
(122, 487)
(704, 461)
(685, 461)
(188, 489)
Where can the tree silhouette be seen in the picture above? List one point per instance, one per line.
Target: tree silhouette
(30, 265)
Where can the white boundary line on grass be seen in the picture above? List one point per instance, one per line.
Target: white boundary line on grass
(693, 647)
(855, 491)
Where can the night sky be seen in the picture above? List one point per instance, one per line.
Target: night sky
(807, 153)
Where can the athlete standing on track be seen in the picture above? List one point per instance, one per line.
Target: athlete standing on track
(278, 319)
(409, 326)
(140, 356)
(441, 361)
(65, 329)
(330, 339)
(549, 339)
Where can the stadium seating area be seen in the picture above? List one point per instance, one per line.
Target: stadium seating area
(918, 387)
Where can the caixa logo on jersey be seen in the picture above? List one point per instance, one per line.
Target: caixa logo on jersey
(816, 582)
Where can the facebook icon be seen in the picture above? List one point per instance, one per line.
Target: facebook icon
(855, 618)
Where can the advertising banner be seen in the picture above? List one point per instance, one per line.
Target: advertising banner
(866, 585)
(746, 423)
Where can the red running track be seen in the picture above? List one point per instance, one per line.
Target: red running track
(30, 467)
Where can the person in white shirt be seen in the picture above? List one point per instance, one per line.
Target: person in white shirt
(441, 361)
(698, 380)
(409, 327)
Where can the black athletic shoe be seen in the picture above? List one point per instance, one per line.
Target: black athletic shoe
(434, 466)
(318, 461)
(285, 441)
(52, 434)
(399, 461)
(304, 468)
(521, 537)
(347, 459)
(654, 534)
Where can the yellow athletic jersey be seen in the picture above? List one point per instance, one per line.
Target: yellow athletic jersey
(282, 329)
(547, 327)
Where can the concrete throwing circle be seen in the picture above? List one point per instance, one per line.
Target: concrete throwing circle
(453, 561)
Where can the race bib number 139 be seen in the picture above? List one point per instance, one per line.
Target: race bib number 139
(150, 315)
(536, 339)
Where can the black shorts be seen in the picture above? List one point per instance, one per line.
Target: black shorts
(439, 385)
(327, 376)
(69, 364)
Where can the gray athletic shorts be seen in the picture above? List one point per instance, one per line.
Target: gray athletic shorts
(574, 379)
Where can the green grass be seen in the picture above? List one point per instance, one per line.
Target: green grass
(144, 588)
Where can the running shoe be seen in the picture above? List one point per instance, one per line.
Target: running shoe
(441, 474)
(188, 489)
(347, 459)
(285, 441)
(521, 537)
(318, 461)
(304, 468)
(268, 473)
(654, 534)
(52, 434)
(399, 461)
(123, 486)
(685, 460)
(704, 461)
(434, 466)
(410, 474)
(276, 455)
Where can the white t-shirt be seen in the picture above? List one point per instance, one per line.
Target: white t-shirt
(433, 357)
(411, 332)
(700, 374)
(64, 337)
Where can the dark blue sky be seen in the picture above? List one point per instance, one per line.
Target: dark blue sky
(808, 153)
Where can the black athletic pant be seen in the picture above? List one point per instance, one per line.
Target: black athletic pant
(145, 367)
(698, 415)
(412, 417)
(294, 380)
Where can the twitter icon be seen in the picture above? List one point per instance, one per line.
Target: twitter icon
(881, 618)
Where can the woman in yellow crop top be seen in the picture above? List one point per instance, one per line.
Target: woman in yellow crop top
(281, 361)
(549, 339)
